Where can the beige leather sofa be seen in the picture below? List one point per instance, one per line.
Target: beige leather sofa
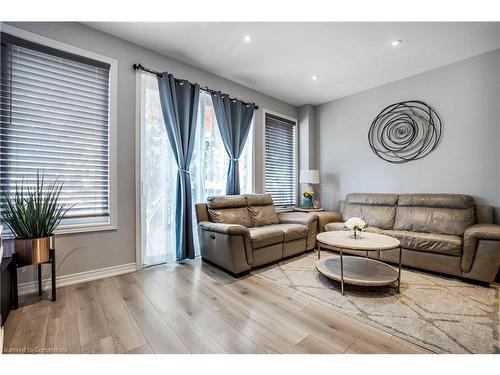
(445, 233)
(238, 232)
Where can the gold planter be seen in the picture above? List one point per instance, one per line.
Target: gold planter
(35, 250)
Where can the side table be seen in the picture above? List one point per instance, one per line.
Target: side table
(52, 262)
(301, 209)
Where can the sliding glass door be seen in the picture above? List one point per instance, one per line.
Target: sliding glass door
(158, 172)
(210, 162)
(158, 179)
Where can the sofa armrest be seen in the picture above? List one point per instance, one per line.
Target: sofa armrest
(326, 217)
(224, 228)
(226, 245)
(479, 239)
(308, 219)
(483, 232)
(303, 218)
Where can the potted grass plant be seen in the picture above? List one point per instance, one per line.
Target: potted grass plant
(33, 212)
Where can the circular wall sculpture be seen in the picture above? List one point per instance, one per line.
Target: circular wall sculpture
(405, 131)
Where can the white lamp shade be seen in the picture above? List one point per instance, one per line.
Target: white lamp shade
(309, 176)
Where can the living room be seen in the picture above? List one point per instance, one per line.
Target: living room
(250, 187)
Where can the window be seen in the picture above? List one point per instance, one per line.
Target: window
(210, 162)
(55, 119)
(280, 160)
(208, 171)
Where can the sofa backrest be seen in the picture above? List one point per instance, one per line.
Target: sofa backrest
(250, 210)
(435, 213)
(377, 210)
(229, 209)
(261, 210)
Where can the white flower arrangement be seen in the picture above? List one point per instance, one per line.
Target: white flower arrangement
(355, 223)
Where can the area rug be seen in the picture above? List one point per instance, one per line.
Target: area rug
(443, 314)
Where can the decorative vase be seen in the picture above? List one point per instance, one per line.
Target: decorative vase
(306, 202)
(355, 233)
(33, 251)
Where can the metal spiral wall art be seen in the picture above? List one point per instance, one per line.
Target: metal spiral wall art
(405, 131)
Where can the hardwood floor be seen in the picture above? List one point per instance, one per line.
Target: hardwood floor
(188, 308)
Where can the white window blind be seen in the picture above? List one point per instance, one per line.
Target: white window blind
(55, 120)
(280, 162)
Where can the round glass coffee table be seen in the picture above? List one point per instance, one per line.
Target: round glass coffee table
(358, 270)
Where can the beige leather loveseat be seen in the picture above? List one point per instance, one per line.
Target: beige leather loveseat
(445, 233)
(238, 232)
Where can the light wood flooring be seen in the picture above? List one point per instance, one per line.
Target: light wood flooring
(188, 308)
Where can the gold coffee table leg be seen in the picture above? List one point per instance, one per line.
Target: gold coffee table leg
(319, 249)
(399, 270)
(341, 272)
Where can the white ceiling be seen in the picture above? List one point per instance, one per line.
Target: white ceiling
(282, 57)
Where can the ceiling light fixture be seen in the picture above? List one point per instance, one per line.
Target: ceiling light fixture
(247, 38)
(314, 78)
(396, 42)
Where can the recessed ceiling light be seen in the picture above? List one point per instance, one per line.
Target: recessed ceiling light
(247, 38)
(396, 42)
(314, 78)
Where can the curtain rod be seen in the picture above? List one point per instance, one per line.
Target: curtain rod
(140, 67)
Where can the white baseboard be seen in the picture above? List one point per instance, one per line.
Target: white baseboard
(77, 278)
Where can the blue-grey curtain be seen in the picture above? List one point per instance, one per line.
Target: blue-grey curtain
(234, 118)
(179, 105)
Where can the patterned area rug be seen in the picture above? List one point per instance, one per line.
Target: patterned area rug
(443, 314)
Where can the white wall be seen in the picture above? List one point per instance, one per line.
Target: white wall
(89, 251)
(466, 95)
(307, 143)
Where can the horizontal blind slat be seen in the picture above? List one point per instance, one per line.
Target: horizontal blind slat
(19, 120)
(35, 88)
(54, 106)
(41, 127)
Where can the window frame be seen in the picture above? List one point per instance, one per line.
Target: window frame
(296, 149)
(112, 223)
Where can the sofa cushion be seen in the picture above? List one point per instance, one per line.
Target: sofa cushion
(340, 226)
(226, 201)
(230, 209)
(372, 199)
(436, 200)
(265, 236)
(292, 232)
(428, 242)
(261, 210)
(448, 214)
(267, 255)
(238, 216)
(262, 215)
(377, 210)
